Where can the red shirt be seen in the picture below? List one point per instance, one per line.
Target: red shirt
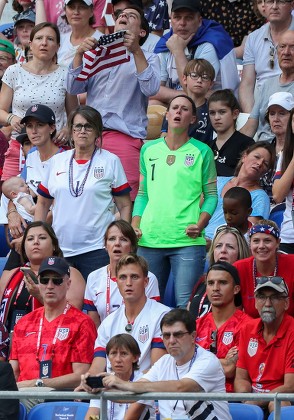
(227, 336)
(74, 344)
(245, 270)
(267, 364)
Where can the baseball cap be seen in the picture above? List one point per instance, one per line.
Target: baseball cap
(41, 112)
(274, 282)
(284, 99)
(56, 264)
(193, 5)
(7, 46)
(28, 14)
(225, 266)
(22, 137)
(88, 2)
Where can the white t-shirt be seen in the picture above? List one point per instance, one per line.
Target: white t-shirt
(287, 229)
(67, 51)
(146, 330)
(46, 89)
(80, 222)
(207, 371)
(95, 298)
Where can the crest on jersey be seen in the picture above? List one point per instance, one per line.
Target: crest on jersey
(252, 347)
(62, 334)
(228, 338)
(143, 334)
(189, 160)
(99, 172)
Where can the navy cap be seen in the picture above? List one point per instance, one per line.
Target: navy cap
(56, 264)
(41, 112)
(193, 5)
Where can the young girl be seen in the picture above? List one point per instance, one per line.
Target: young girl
(229, 143)
(283, 188)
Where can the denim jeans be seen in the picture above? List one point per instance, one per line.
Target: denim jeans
(89, 261)
(186, 264)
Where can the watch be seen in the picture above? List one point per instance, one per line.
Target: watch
(39, 382)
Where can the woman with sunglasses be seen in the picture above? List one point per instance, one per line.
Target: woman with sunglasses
(83, 183)
(266, 260)
(102, 296)
(227, 245)
(19, 293)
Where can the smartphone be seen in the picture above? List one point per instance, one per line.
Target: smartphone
(95, 381)
(28, 272)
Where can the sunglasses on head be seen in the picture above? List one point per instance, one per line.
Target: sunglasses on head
(226, 227)
(272, 279)
(213, 345)
(57, 281)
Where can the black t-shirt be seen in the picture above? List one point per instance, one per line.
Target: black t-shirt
(227, 158)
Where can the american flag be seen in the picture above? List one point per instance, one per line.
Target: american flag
(110, 51)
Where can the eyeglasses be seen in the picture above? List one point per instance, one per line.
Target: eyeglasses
(272, 279)
(226, 227)
(272, 58)
(196, 76)
(176, 335)
(57, 281)
(87, 127)
(213, 345)
(282, 2)
(273, 298)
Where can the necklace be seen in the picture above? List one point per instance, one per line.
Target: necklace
(254, 271)
(79, 189)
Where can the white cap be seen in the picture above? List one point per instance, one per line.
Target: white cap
(284, 99)
(88, 2)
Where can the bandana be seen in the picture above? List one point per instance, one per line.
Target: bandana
(269, 230)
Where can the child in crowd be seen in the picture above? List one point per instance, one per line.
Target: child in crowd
(198, 80)
(24, 22)
(17, 190)
(237, 208)
(229, 143)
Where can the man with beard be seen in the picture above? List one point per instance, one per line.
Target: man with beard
(266, 346)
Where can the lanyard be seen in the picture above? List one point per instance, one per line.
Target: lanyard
(190, 365)
(56, 332)
(126, 405)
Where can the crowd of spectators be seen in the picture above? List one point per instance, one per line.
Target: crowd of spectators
(103, 224)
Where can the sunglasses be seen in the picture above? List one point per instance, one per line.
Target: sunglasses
(272, 279)
(57, 281)
(213, 345)
(176, 334)
(226, 227)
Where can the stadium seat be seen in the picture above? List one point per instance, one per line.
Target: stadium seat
(277, 213)
(65, 410)
(22, 412)
(287, 413)
(241, 411)
(2, 264)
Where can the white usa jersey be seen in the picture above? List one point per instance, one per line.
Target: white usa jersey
(80, 222)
